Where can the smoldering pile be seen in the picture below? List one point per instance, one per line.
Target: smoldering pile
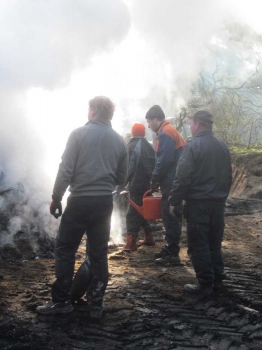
(26, 231)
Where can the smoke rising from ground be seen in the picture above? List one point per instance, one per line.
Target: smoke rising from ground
(41, 44)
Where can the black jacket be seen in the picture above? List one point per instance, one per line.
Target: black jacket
(203, 171)
(141, 165)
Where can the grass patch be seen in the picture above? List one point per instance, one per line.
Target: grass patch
(244, 150)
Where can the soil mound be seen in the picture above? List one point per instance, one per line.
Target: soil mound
(247, 175)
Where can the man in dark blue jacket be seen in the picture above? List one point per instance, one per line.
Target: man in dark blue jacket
(203, 180)
(141, 166)
(168, 147)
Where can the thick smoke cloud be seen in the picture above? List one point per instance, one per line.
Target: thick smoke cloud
(181, 31)
(41, 43)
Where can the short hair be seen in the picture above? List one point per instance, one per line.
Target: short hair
(155, 112)
(103, 107)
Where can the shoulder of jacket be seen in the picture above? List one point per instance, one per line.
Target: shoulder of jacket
(192, 144)
(170, 130)
(131, 145)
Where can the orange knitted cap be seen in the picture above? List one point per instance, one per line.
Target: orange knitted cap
(138, 129)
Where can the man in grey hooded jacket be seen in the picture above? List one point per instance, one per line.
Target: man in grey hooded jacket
(94, 162)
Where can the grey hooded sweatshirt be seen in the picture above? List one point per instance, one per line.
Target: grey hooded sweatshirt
(94, 162)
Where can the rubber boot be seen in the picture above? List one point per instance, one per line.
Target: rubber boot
(130, 243)
(148, 239)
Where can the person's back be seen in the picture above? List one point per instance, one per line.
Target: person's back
(212, 167)
(141, 166)
(203, 180)
(91, 160)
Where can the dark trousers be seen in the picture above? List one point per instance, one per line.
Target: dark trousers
(173, 227)
(134, 220)
(83, 214)
(205, 227)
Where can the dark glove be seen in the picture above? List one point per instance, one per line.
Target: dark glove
(54, 206)
(154, 186)
(175, 210)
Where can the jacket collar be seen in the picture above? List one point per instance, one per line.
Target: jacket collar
(105, 122)
(205, 132)
(164, 123)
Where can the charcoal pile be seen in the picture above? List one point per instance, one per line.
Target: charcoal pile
(27, 230)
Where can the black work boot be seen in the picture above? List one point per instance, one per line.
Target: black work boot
(198, 289)
(218, 285)
(96, 312)
(160, 254)
(95, 296)
(52, 308)
(168, 258)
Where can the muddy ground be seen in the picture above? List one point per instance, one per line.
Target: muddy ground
(145, 307)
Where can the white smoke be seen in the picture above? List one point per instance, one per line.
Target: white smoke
(41, 43)
(180, 32)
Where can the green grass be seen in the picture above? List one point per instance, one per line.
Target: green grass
(244, 150)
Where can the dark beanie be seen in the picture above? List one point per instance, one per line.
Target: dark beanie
(155, 112)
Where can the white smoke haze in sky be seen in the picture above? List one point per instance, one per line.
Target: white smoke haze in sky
(181, 32)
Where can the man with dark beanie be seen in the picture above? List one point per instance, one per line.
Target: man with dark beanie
(168, 147)
(94, 162)
(203, 180)
(141, 166)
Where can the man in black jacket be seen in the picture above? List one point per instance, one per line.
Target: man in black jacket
(94, 162)
(141, 166)
(203, 180)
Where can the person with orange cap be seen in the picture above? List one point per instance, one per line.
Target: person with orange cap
(141, 166)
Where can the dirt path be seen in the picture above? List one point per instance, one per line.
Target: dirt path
(145, 307)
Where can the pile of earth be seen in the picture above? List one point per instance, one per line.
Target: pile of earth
(247, 175)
